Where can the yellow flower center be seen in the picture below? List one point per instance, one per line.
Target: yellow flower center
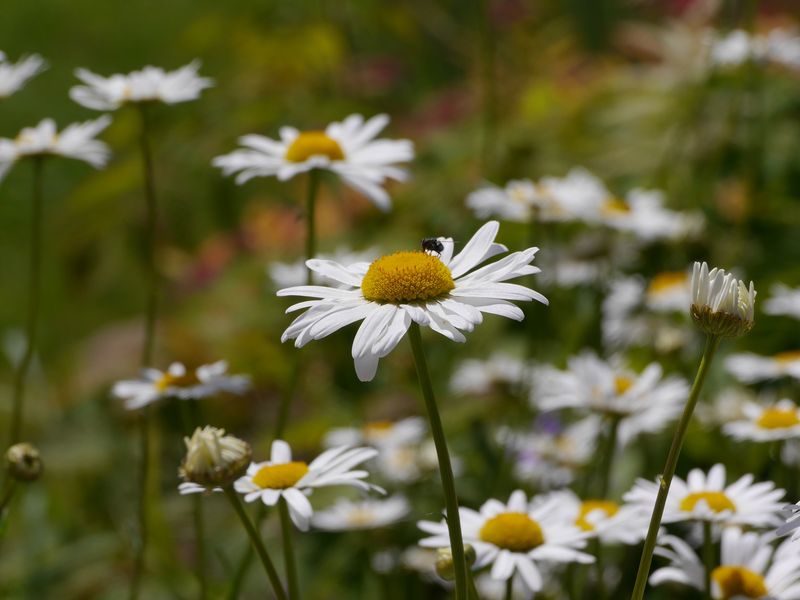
(717, 501)
(406, 277)
(512, 531)
(168, 380)
(665, 282)
(615, 206)
(787, 357)
(313, 143)
(589, 506)
(735, 582)
(622, 385)
(778, 418)
(280, 477)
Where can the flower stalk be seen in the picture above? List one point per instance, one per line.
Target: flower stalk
(288, 550)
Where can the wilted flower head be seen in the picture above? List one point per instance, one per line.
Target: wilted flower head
(14, 76)
(721, 304)
(23, 462)
(213, 458)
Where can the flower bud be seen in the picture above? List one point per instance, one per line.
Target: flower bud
(721, 304)
(23, 462)
(213, 458)
(444, 561)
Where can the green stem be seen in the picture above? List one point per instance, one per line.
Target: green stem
(607, 457)
(145, 434)
(200, 544)
(712, 342)
(600, 592)
(34, 293)
(510, 588)
(445, 468)
(709, 560)
(473, 591)
(288, 550)
(258, 544)
(8, 493)
(311, 209)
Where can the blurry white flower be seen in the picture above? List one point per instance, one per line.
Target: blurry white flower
(721, 304)
(728, 405)
(706, 498)
(784, 301)
(644, 402)
(14, 76)
(177, 382)
(669, 292)
(441, 291)
(778, 421)
(282, 477)
(212, 459)
(736, 48)
(792, 524)
(516, 202)
(515, 537)
(475, 376)
(783, 47)
(495, 589)
(379, 434)
(291, 274)
(76, 141)
(348, 515)
(644, 215)
(588, 259)
(749, 567)
(752, 368)
(151, 84)
(347, 148)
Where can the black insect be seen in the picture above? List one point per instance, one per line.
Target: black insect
(432, 245)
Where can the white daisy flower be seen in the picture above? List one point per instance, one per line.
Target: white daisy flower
(379, 434)
(439, 291)
(644, 215)
(753, 368)
(178, 382)
(706, 498)
(282, 477)
(736, 48)
(76, 141)
(669, 292)
(347, 515)
(721, 304)
(792, 514)
(151, 84)
(644, 402)
(499, 371)
(515, 202)
(779, 421)
(14, 76)
(784, 301)
(749, 567)
(295, 273)
(515, 537)
(347, 148)
(609, 521)
(783, 47)
(727, 406)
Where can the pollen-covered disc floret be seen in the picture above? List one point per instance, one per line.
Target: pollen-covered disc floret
(721, 304)
(706, 497)
(515, 537)
(349, 148)
(407, 277)
(213, 458)
(293, 480)
(748, 567)
(446, 292)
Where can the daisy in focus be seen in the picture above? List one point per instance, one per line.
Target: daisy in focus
(348, 148)
(213, 459)
(349, 515)
(179, 382)
(643, 402)
(292, 480)
(783, 301)
(75, 141)
(515, 537)
(150, 84)
(14, 76)
(749, 567)
(759, 423)
(722, 306)
(706, 497)
(753, 368)
(440, 291)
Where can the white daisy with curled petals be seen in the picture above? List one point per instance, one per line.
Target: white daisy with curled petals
(75, 141)
(150, 84)
(766, 423)
(515, 537)
(293, 480)
(749, 567)
(437, 290)
(370, 513)
(753, 368)
(348, 148)
(706, 497)
(13, 76)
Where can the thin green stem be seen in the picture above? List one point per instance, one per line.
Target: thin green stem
(607, 457)
(712, 342)
(709, 560)
(473, 591)
(140, 547)
(445, 468)
(258, 544)
(288, 550)
(200, 545)
(601, 593)
(34, 293)
(311, 209)
(8, 493)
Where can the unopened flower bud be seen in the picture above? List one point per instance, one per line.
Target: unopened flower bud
(444, 561)
(24, 462)
(721, 304)
(213, 458)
